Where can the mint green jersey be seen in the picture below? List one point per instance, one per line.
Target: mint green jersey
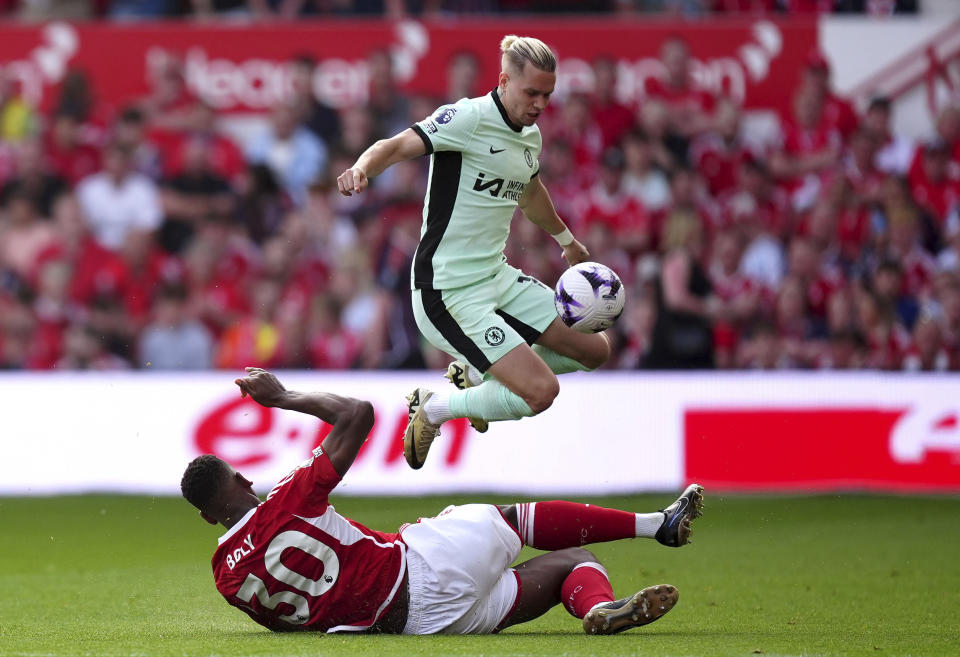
(480, 164)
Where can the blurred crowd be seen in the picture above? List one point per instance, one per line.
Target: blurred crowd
(289, 9)
(147, 237)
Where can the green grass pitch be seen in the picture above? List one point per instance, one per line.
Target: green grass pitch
(111, 576)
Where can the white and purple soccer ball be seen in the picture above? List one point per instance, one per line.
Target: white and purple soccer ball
(589, 297)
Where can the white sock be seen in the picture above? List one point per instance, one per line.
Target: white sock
(647, 523)
(437, 409)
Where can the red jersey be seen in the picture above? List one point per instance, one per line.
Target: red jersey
(615, 120)
(294, 563)
(839, 113)
(939, 198)
(620, 211)
(717, 161)
(680, 97)
(73, 164)
(800, 140)
(225, 158)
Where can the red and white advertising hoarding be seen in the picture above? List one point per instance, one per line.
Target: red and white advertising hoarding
(606, 433)
(246, 68)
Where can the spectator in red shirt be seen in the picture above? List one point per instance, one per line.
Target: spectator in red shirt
(691, 109)
(886, 337)
(608, 202)
(614, 118)
(717, 154)
(738, 295)
(810, 148)
(756, 198)
(576, 125)
(146, 268)
(70, 157)
(806, 263)
(860, 167)
(850, 221)
(330, 345)
(169, 102)
(52, 313)
(567, 181)
(224, 157)
(931, 184)
(218, 262)
(95, 271)
(948, 129)
(838, 112)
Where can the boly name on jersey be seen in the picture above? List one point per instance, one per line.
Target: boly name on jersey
(240, 552)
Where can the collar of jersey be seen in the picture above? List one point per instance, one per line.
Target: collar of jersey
(503, 112)
(237, 527)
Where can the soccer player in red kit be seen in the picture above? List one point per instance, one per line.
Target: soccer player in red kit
(292, 562)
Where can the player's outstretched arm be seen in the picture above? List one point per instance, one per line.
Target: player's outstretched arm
(538, 207)
(373, 161)
(351, 418)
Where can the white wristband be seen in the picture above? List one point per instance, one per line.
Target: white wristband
(564, 238)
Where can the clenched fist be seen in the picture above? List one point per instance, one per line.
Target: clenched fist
(353, 180)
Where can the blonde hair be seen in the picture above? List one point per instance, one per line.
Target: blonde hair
(517, 50)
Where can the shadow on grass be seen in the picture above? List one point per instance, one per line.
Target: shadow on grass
(517, 634)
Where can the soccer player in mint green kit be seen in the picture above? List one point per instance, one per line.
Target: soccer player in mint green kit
(500, 325)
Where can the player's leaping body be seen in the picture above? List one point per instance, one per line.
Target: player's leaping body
(293, 563)
(499, 324)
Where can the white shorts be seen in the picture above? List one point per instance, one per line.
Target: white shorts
(459, 570)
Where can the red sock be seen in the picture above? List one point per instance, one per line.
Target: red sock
(586, 585)
(557, 525)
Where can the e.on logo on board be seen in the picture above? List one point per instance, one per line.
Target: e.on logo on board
(249, 435)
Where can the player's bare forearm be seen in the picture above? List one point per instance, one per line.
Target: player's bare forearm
(538, 207)
(266, 390)
(352, 419)
(376, 159)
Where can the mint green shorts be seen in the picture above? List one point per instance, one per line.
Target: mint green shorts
(479, 323)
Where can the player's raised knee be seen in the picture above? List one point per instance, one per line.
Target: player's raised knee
(577, 555)
(541, 393)
(598, 352)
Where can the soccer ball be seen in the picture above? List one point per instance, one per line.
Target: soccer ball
(589, 297)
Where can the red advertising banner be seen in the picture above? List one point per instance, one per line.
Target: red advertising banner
(855, 448)
(246, 68)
